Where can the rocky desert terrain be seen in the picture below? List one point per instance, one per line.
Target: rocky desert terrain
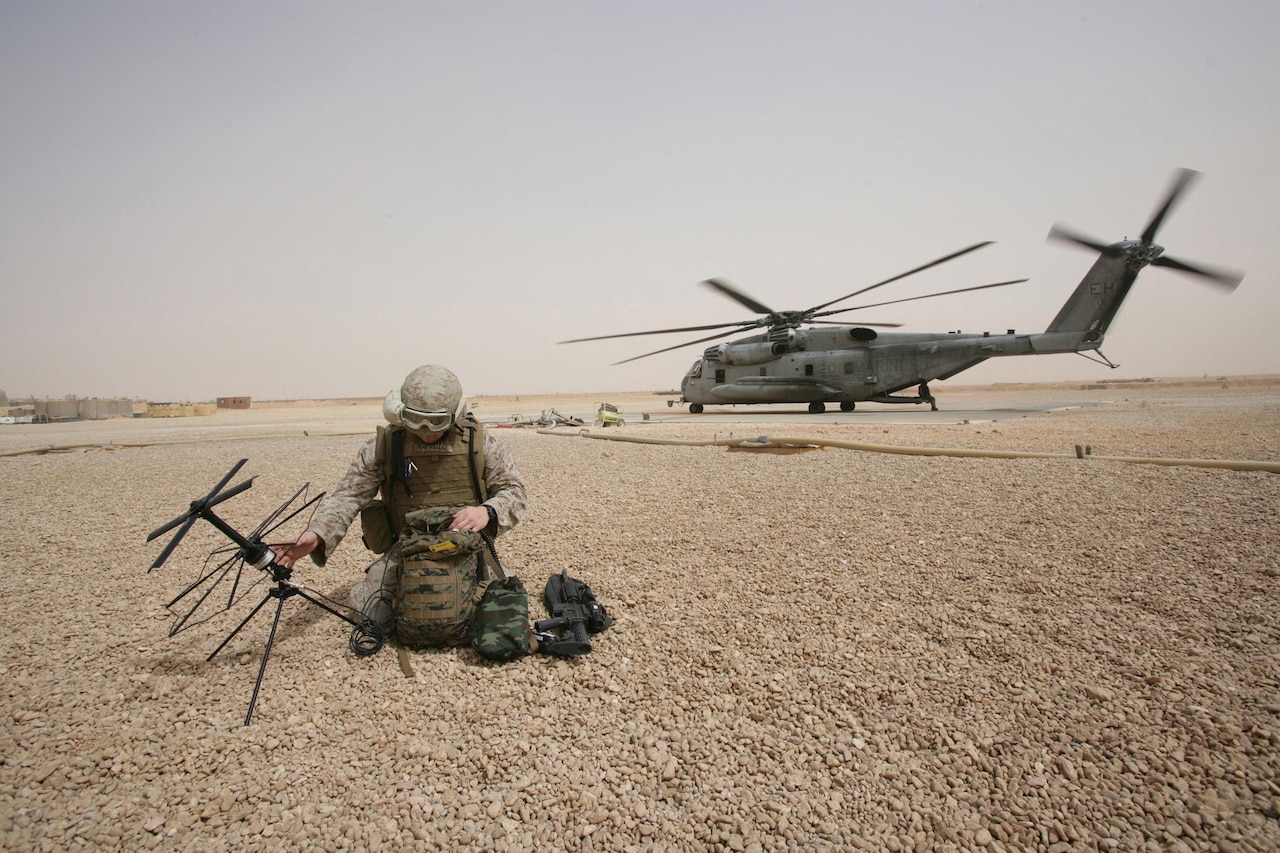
(827, 649)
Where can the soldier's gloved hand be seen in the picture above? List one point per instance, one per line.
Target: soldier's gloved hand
(297, 549)
(474, 518)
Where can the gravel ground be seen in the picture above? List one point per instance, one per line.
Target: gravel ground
(821, 650)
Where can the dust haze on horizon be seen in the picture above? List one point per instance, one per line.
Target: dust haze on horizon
(294, 200)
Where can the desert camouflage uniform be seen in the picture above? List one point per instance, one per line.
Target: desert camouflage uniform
(361, 484)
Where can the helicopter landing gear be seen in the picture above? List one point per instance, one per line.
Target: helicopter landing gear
(848, 406)
(926, 397)
(817, 408)
(695, 408)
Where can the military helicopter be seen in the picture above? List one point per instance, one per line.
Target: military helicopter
(802, 358)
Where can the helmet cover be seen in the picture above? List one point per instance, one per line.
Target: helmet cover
(430, 399)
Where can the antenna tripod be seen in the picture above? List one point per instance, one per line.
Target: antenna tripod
(253, 551)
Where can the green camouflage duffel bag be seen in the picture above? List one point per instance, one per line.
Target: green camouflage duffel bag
(439, 573)
(500, 625)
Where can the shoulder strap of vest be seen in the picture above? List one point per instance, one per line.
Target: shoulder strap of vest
(473, 434)
(474, 437)
(391, 458)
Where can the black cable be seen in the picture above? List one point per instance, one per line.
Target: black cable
(488, 541)
(368, 637)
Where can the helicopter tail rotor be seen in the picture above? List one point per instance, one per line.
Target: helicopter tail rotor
(1226, 279)
(1058, 232)
(1181, 180)
(1145, 250)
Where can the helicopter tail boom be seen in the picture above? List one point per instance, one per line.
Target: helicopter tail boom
(1096, 299)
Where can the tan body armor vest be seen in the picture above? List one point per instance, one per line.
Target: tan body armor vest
(417, 475)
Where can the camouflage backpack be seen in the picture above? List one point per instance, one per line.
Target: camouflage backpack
(439, 574)
(440, 600)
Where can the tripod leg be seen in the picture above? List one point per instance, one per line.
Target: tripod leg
(265, 654)
(344, 617)
(252, 613)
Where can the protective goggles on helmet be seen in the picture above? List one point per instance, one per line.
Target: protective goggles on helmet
(420, 421)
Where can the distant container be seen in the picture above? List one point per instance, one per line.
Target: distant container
(233, 402)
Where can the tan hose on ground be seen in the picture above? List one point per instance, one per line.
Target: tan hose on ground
(747, 443)
(115, 445)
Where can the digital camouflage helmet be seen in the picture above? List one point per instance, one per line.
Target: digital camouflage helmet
(429, 400)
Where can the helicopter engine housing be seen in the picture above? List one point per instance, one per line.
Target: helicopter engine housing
(744, 354)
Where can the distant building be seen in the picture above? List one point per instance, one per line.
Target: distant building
(233, 402)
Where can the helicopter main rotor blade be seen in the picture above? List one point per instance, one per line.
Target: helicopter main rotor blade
(745, 324)
(1223, 278)
(925, 296)
(737, 295)
(1181, 181)
(941, 260)
(852, 323)
(670, 348)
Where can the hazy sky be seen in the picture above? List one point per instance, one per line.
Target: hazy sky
(306, 199)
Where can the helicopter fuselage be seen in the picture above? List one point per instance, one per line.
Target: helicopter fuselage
(851, 364)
